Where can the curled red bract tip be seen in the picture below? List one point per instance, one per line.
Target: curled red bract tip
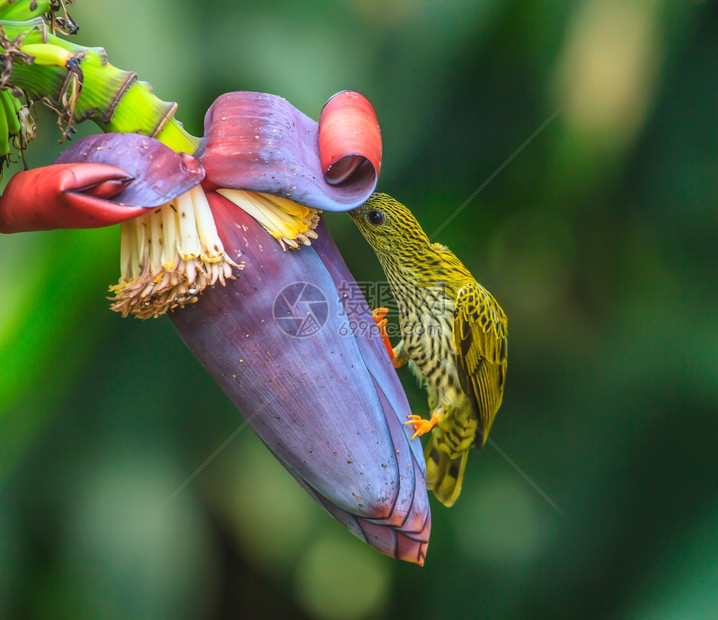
(349, 138)
(64, 196)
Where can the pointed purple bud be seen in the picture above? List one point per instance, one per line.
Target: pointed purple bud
(322, 396)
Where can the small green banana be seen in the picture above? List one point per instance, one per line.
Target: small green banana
(13, 122)
(4, 136)
(47, 55)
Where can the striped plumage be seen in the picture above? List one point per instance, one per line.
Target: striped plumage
(453, 337)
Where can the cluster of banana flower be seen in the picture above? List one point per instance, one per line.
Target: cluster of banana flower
(229, 243)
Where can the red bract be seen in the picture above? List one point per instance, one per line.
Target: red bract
(97, 181)
(348, 146)
(64, 196)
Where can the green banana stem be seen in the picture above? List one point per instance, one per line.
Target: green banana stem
(79, 84)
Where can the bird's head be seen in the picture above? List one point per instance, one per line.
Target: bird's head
(388, 225)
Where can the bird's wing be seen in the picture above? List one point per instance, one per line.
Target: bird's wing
(480, 330)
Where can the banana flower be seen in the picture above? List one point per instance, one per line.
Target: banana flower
(230, 244)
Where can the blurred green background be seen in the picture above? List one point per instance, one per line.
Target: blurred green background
(598, 238)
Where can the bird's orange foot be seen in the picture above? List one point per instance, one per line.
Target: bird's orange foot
(378, 315)
(421, 426)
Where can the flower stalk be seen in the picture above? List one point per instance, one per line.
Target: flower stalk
(80, 84)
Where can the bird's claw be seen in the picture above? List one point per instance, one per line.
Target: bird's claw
(421, 425)
(379, 314)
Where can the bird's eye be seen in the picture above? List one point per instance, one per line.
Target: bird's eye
(375, 218)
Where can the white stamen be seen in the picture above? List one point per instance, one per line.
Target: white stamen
(168, 256)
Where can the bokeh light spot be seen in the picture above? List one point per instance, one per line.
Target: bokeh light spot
(500, 525)
(266, 509)
(341, 578)
(535, 251)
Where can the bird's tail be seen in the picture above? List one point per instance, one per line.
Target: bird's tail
(444, 472)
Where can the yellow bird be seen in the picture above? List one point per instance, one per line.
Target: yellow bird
(454, 337)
